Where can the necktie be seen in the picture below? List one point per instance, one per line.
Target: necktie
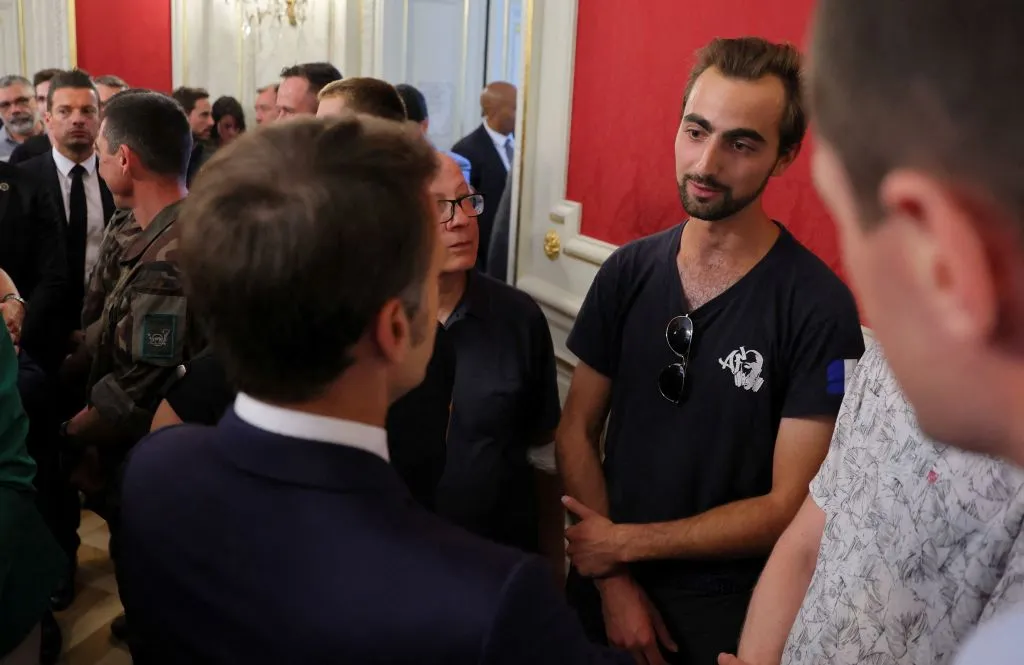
(509, 151)
(78, 216)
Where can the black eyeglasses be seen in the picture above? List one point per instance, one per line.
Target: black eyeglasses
(470, 204)
(679, 335)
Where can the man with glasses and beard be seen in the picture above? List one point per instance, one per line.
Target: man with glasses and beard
(720, 349)
(19, 112)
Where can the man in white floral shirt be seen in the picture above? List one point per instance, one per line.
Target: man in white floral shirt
(902, 547)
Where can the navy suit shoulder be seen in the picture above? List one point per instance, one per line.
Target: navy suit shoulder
(30, 148)
(472, 145)
(32, 252)
(243, 546)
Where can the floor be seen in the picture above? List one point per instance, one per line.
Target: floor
(86, 624)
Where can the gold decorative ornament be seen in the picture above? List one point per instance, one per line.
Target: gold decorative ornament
(552, 245)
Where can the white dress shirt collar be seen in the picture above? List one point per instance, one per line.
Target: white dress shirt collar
(64, 165)
(500, 141)
(296, 424)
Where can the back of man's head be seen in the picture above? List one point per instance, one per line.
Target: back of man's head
(319, 74)
(924, 84)
(364, 95)
(74, 79)
(415, 102)
(330, 217)
(915, 103)
(153, 126)
(189, 97)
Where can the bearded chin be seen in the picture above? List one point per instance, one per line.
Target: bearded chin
(23, 125)
(719, 210)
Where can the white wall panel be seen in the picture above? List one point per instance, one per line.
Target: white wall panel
(35, 34)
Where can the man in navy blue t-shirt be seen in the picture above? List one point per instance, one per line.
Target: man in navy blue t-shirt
(719, 348)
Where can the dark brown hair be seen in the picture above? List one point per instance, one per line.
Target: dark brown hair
(189, 97)
(71, 79)
(319, 74)
(44, 75)
(368, 95)
(931, 85)
(294, 237)
(153, 126)
(751, 59)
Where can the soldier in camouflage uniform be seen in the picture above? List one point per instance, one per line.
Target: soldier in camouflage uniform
(121, 230)
(144, 330)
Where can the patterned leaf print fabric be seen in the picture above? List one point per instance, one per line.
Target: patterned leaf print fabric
(921, 541)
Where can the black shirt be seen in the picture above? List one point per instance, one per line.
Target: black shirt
(417, 424)
(506, 397)
(203, 394)
(772, 346)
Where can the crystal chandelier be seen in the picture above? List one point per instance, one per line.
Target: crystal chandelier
(257, 12)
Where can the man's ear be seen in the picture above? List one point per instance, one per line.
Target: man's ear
(786, 160)
(949, 251)
(392, 331)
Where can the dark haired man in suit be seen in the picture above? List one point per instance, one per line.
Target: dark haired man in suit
(69, 172)
(290, 502)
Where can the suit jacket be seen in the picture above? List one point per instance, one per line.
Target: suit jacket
(238, 545)
(32, 252)
(44, 169)
(33, 146)
(497, 252)
(487, 176)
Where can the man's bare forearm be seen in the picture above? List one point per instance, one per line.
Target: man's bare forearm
(579, 465)
(780, 591)
(743, 528)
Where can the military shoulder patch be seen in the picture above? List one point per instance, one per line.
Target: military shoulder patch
(158, 336)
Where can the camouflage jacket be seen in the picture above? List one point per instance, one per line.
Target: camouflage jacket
(145, 331)
(121, 230)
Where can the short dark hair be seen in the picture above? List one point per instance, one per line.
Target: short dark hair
(153, 126)
(319, 74)
(328, 216)
(44, 75)
(751, 59)
(111, 81)
(74, 78)
(368, 95)
(907, 85)
(189, 97)
(415, 102)
(227, 106)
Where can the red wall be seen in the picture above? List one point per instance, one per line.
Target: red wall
(632, 60)
(129, 38)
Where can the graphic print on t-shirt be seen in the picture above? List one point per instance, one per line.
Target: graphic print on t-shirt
(746, 366)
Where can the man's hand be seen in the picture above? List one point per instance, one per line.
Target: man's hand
(729, 659)
(14, 316)
(632, 622)
(595, 543)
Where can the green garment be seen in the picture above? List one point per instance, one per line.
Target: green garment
(31, 563)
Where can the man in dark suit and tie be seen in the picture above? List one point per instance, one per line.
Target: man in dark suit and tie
(283, 534)
(70, 174)
(490, 148)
